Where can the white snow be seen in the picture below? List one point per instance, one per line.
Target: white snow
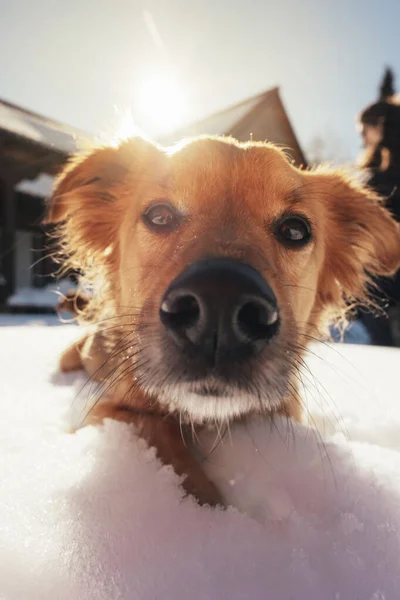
(41, 130)
(93, 515)
(20, 124)
(46, 297)
(41, 186)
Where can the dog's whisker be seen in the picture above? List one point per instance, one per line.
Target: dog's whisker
(248, 272)
(301, 367)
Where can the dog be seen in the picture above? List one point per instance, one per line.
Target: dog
(73, 303)
(213, 265)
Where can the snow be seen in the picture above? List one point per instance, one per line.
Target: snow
(94, 515)
(41, 186)
(46, 297)
(18, 123)
(41, 130)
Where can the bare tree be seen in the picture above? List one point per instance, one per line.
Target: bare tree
(327, 148)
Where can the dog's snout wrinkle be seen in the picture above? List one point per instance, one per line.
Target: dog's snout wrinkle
(220, 309)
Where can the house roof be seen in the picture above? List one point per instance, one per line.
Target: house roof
(261, 117)
(221, 122)
(31, 144)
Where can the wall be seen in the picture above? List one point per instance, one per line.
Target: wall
(23, 259)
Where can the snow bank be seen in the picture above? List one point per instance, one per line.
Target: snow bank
(46, 297)
(95, 516)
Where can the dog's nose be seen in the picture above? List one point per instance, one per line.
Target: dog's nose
(220, 308)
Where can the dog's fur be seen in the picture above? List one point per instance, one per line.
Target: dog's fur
(231, 195)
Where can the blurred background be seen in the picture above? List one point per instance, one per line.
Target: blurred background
(298, 74)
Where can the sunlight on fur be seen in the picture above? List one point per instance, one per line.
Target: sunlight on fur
(213, 266)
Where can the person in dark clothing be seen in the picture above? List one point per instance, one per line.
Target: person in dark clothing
(380, 128)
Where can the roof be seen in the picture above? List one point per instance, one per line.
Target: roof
(221, 122)
(262, 117)
(31, 144)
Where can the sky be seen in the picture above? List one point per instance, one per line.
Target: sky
(87, 62)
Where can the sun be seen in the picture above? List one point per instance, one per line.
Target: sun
(161, 102)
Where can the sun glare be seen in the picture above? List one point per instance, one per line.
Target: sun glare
(126, 128)
(161, 102)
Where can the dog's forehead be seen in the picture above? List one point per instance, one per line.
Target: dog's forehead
(210, 169)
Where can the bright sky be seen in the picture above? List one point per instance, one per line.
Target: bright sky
(79, 61)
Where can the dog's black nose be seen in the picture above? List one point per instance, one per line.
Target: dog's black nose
(220, 308)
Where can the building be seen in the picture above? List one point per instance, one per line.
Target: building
(260, 118)
(33, 149)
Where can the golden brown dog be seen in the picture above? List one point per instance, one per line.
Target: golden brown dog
(213, 265)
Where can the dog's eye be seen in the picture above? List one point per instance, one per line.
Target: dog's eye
(294, 231)
(161, 217)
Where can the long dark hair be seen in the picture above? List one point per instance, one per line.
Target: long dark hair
(387, 112)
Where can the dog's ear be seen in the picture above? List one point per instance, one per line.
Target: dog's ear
(79, 184)
(89, 195)
(362, 240)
